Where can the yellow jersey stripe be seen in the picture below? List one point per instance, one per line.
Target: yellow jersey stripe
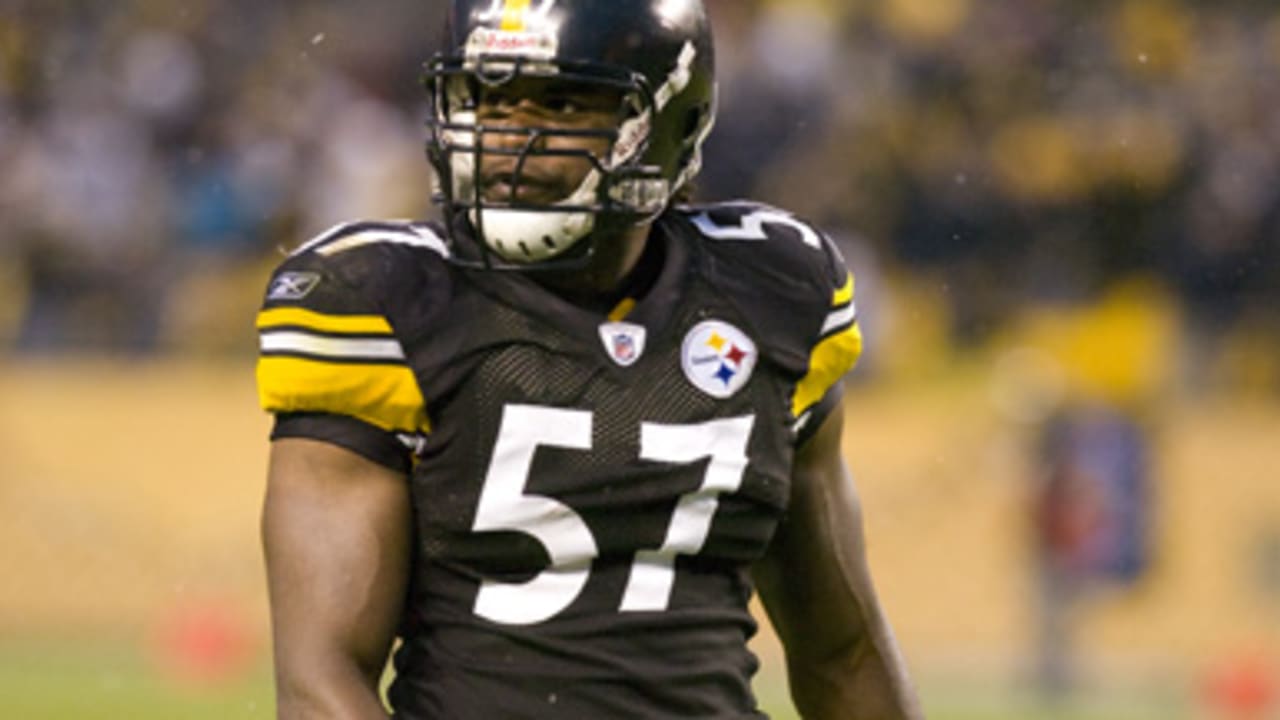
(386, 396)
(844, 294)
(829, 362)
(298, 317)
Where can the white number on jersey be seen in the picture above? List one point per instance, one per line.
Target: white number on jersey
(751, 227)
(725, 442)
(504, 505)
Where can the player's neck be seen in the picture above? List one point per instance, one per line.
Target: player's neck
(619, 267)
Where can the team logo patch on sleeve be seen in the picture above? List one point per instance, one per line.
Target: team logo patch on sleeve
(293, 285)
(718, 358)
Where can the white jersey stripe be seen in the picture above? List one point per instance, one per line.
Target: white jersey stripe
(802, 421)
(300, 342)
(350, 242)
(323, 237)
(333, 241)
(843, 316)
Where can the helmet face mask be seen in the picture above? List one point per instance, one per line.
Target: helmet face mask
(641, 71)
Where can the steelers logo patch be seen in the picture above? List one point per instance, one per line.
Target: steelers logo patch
(718, 358)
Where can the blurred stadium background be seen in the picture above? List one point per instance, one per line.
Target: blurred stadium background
(1065, 220)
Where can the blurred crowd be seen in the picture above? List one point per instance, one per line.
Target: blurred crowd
(1037, 151)
(157, 156)
(154, 153)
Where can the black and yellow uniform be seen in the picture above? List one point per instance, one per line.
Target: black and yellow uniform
(588, 491)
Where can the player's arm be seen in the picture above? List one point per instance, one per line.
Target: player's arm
(842, 659)
(336, 530)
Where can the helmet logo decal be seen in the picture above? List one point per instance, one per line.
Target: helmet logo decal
(623, 341)
(522, 30)
(718, 358)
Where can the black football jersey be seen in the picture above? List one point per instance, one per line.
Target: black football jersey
(589, 490)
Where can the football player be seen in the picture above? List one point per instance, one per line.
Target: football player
(555, 441)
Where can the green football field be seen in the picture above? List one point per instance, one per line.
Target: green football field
(106, 683)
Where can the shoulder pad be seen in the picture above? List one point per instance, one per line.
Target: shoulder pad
(778, 260)
(328, 328)
(349, 236)
(751, 221)
(772, 246)
(356, 267)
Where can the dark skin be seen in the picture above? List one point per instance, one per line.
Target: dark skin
(548, 179)
(336, 529)
(337, 532)
(814, 581)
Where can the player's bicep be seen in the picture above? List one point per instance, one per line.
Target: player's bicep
(814, 580)
(336, 531)
(841, 656)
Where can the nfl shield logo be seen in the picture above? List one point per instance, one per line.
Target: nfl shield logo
(624, 342)
(624, 349)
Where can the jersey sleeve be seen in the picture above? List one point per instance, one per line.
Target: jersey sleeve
(793, 284)
(838, 344)
(330, 365)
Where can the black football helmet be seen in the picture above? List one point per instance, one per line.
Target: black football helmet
(656, 56)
